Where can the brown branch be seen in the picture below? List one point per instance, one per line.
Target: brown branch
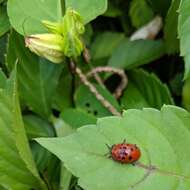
(120, 72)
(87, 58)
(92, 89)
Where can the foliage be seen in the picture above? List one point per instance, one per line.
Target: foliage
(171, 172)
(56, 119)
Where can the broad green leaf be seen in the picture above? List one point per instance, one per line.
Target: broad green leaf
(3, 45)
(170, 28)
(88, 9)
(140, 13)
(41, 156)
(4, 21)
(183, 31)
(63, 129)
(3, 79)
(17, 168)
(155, 133)
(105, 43)
(145, 90)
(37, 127)
(131, 54)
(84, 99)
(112, 10)
(160, 6)
(64, 89)
(186, 94)
(176, 84)
(38, 78)
(77, 117)
(26, 16)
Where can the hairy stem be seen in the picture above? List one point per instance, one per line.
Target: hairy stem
(93, 89)
(120, 72)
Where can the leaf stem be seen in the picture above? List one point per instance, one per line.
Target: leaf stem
(120, 72)
(93, 89)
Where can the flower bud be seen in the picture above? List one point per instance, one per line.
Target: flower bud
(73, 21)
(49, 46)
(72, 28)
(54, 27)
(73, 46)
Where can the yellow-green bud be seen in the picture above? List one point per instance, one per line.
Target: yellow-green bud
(73, 46)
(54, 27)
(49, 46)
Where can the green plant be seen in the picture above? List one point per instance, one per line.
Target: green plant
(79, 74)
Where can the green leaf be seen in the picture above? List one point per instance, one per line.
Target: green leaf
(186, 94)
(183, 31)
(155, 133)
(88, 9)
(3, 45)
(170, 28)
(41, 156)
(80, 117)
(105, 44)
(112, 10)
(160, 6)
(131, 54)
(140, 13)
(38, 78)
(17, 168)
(4, 20)
(3, 79)
(84, 99)
(64, 89)
(37, 127)
(26, 16)
(145, 90)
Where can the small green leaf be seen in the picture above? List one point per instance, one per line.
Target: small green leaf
(145, 90)
(186, 94)
(155, 132)
(160, 6)
(3, 79)
(37, 127)
(80, 117)
(3, 45)
(4, 21)
(84, 99)
(64, 89)
(15, 154)
(140, 13)
(170, 28)
(26, 16)
(37, 77)
(131, 54)
(112, 10)
(105, 43)
(183, 31)
(88, 9)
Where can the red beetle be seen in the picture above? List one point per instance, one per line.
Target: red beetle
(125, 153)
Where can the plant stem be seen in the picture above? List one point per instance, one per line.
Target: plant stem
(87, 58)
(120, 72)
(93, 89)
(62, 6)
